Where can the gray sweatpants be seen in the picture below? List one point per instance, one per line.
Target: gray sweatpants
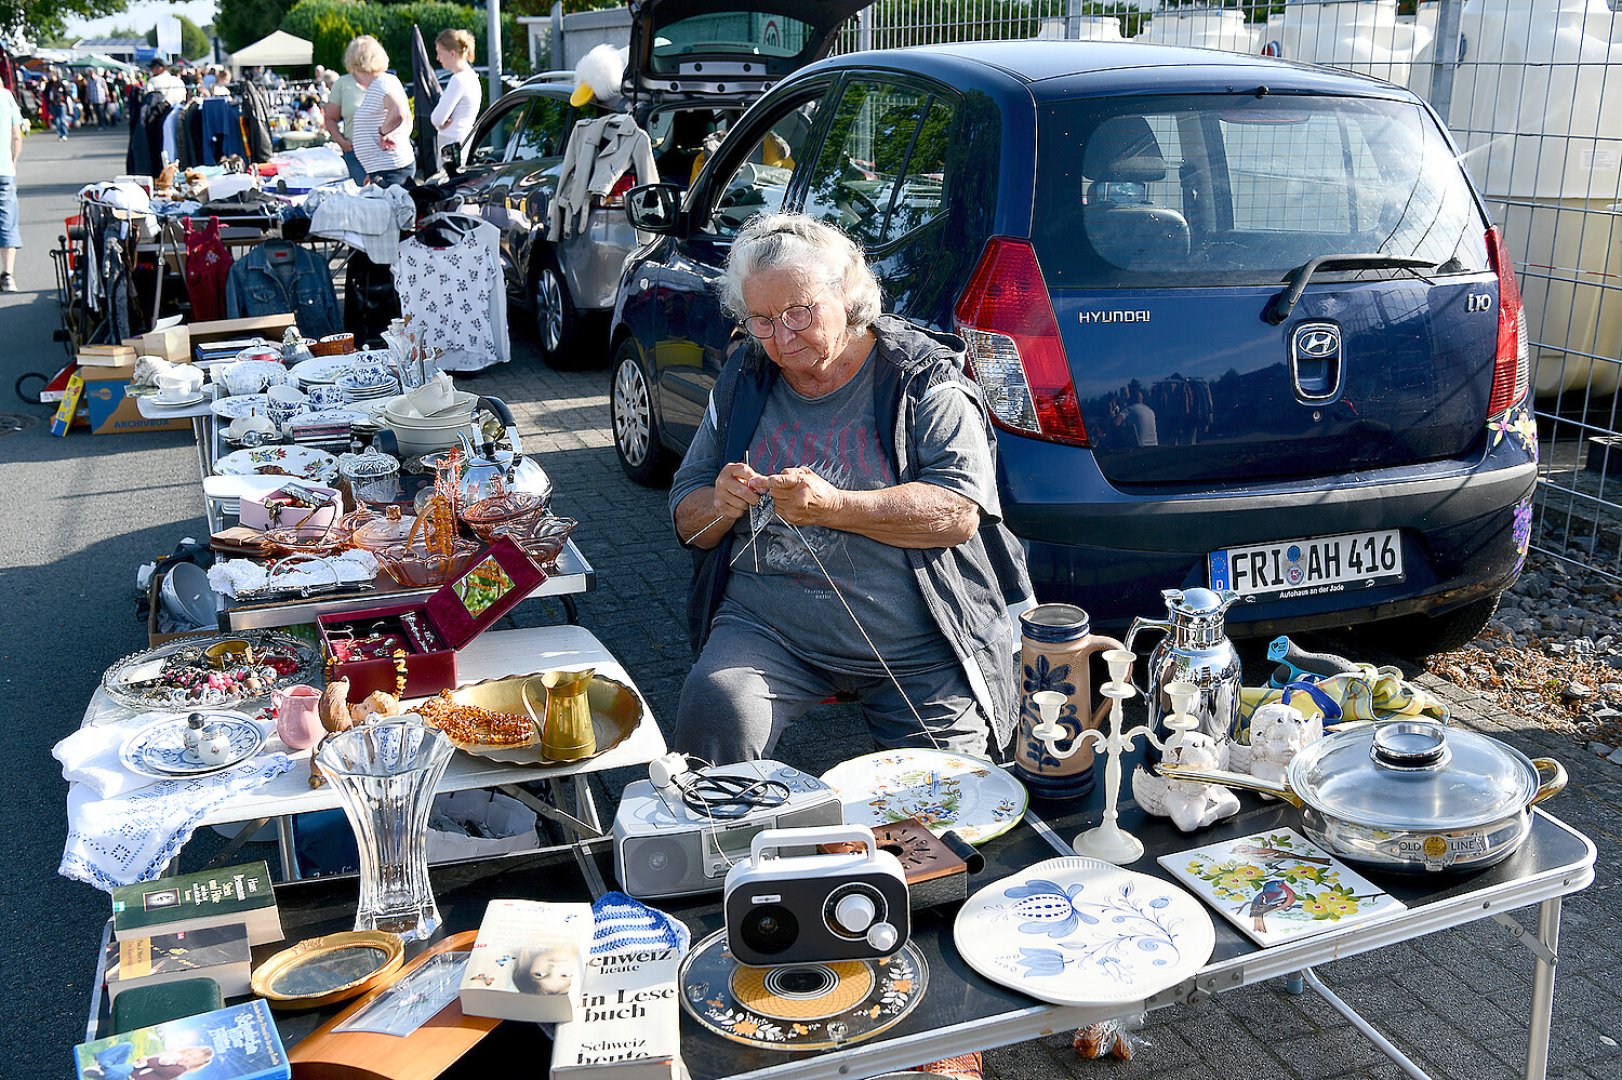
(746, 689)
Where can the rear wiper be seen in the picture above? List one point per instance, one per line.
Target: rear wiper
(1296, 280)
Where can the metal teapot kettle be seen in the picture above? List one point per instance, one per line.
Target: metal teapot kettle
(1196, 650)
(485, 469)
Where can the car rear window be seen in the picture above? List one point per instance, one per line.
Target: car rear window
(744, 33)
(1191, 190)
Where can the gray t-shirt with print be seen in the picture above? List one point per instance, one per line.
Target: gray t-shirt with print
(779, 587)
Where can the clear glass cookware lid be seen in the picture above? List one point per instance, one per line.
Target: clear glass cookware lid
(1412, 775)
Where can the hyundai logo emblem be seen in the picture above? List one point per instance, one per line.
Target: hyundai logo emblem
(1317, 341)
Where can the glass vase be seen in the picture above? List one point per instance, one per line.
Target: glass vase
(385, 774)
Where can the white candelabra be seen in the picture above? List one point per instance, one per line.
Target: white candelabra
(1107, 840)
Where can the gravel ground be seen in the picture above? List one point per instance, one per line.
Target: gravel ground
(1552, 654)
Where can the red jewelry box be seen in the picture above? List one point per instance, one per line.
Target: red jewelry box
(433, 630)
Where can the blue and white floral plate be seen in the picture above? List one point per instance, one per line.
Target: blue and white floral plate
(941, 789)
(159, 749)
(1083, 932)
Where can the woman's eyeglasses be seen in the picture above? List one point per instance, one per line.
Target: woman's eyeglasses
(795, 318)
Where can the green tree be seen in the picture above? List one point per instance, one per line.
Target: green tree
(194, 44)
(243, 22)
(44, 19)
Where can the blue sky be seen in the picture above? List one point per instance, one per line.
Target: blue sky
(143, 16)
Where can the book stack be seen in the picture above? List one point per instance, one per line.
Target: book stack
(234, 894)
(238, 1042)
(528, 961)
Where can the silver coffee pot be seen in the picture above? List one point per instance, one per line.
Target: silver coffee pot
(1196, 650)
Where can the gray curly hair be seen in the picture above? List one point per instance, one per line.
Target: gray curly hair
(770, 241)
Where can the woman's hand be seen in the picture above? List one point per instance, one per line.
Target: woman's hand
(802, 497)
(737, 489)
(386, 141)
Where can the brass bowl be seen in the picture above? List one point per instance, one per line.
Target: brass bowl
(616, 712)
(228, 653)
(324, 970)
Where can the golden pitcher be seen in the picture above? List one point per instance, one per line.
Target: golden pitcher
(568, 734)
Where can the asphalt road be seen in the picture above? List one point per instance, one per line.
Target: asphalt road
(78, 515)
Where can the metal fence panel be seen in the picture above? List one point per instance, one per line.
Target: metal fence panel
(1532, 90)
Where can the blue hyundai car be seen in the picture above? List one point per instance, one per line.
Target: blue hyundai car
(1240, 323)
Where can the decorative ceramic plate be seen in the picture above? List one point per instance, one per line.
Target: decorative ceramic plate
(324, 970)
(941, 789)
(366, 380)
(177, 403)
(332, 416)
(1082, 932)
(174, 675)
(799, 1006)
(234, 408)
(303, 462)
(324, 369)
(159, 749)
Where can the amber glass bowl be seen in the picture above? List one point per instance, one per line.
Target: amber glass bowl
(414, 566)
(542, 537)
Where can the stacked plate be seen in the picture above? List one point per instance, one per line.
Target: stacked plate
(322, 370)
(368, 384)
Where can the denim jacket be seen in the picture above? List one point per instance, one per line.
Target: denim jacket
(260, 285)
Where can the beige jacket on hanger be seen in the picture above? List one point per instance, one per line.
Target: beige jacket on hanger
(600, 151)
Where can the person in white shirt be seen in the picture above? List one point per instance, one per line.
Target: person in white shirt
(166, 83)
(459, 105)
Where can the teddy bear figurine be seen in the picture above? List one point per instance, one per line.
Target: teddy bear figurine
(1189, 803)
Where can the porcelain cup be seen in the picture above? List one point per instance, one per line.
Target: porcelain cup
(327, 396)
(240, 380)
(282, 403)
(242, 426)
(179, 382)
(298, 718)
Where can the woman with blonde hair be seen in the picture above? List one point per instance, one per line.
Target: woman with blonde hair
(459, 105)
(381, 130)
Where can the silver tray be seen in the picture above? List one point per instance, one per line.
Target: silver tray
(128, 681)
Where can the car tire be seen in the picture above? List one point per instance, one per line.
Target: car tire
(1418, 636)
(557, 323)
(634, 421)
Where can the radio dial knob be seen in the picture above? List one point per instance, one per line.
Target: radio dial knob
(855, 913)
(882, 936)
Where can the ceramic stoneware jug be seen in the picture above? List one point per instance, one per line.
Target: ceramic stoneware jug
(1195, 650)
(1056, 645)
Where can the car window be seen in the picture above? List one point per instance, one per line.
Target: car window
(1221, 189)
(759, 183)
(543, 131)
(495, 134)
(863, 165)
(683, 138)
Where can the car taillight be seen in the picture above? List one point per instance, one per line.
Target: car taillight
(1015, 353)
(1511, 371)
(616, 194)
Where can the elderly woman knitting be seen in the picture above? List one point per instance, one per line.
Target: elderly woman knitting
(841, 498)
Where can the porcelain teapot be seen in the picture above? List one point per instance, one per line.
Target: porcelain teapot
(1196, 650)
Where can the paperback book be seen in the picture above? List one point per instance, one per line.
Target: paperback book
(233, 894)
(238, 1042)
(528, 961)
(214, 952)
(628, 1026)
(1278, 886)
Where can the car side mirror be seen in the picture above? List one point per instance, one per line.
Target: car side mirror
(450, 159)
(654, 208)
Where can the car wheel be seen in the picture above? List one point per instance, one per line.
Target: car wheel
(636, 428)
(557, 323)
(1418, 636)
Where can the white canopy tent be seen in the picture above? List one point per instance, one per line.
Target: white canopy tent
(276, 49)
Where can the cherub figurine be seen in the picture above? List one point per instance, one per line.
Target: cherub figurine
(1278, 732)
(1189, 803)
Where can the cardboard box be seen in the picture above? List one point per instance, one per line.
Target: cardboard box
(270, 327)
(106, 356)
(172, 344)
(433, 630)
(113, 412)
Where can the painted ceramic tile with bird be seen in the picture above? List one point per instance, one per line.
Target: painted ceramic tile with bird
(1278, 886)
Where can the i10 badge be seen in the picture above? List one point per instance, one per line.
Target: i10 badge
(1309, 567)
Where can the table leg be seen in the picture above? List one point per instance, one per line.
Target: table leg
(1537, 1043)
(284, 845)
(584, 804)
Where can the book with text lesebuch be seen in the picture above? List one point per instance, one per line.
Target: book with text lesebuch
(628, 1025)
(231, 894)
(527, 961)
(215, 952)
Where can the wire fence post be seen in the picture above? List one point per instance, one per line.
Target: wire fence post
(1448, 54)
(864, 29)
(1072, 20)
